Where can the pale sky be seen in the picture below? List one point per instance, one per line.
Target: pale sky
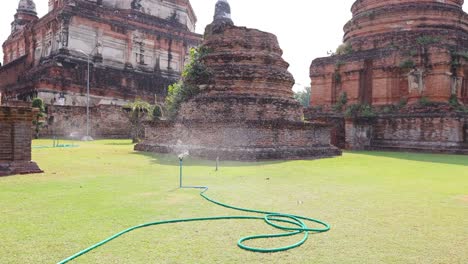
(306, 29)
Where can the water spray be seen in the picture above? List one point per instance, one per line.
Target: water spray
(291, 225)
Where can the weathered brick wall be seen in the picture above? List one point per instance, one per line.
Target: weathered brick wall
(259, 134)
(337, 122)
(420, 130)
(251, 140)
(15, 133)
(15, 141)
(358, 134)
(106, 121)
(417, 132)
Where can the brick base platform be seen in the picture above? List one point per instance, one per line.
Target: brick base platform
(18, 167)
(244, 141)
(15, 140)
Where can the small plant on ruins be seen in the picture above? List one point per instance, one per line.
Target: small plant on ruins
(342, 101)
(427, 40)
(424, 101)
(194, 72)
(337, 77)
(388, 109)
(359, 110)
(339, 63)
(157, 113)
(393, 45)
(344, 49)
(137, 111)
(407, 64)
(367, 111)
(303, 97)
(453, 101)
(402, 103)
(463, 54)
(38, 121)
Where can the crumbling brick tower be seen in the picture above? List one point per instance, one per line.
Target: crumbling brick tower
(245, 109)
(397, 50)
(135, 49)
(400, 79)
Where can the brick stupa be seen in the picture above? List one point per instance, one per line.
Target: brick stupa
(246, 111)
(397, 50)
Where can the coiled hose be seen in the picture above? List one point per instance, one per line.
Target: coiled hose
(295, 226)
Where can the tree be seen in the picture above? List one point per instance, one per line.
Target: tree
(194, 73)
(303, 97)
(137, 112)
(38, 120)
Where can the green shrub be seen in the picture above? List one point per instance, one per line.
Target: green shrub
(195, 72)
(342, 101)
(359, 110)
(424, 101)
(337, 77)
(402, 103)
(453, 101)
(344, 49)
(407, 64)
(427, 40)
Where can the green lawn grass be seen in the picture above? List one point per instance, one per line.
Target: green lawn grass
(383, 207)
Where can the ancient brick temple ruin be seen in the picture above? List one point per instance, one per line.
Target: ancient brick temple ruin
(400, 78)
(136, 49)
(245, 110)
(15, 141)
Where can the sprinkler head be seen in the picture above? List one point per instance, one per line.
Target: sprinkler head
(183, 155)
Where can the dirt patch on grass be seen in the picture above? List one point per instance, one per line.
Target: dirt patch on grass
(463, 198)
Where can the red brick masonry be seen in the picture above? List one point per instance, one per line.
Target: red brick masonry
(15, 141)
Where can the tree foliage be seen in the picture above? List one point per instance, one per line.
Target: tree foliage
(303, 96)
(39, 119)
(195, 72)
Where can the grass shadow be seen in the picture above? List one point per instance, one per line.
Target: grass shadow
(450, 159)
(172, 160)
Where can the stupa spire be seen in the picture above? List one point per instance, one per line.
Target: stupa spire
(223, 12)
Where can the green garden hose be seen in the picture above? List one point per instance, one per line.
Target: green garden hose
(295, 226)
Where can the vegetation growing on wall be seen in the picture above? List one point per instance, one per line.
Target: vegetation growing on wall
(344, 49)
(195, 72)
(342, 101)
(407, 64)
(427, 40)
(359, 110)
